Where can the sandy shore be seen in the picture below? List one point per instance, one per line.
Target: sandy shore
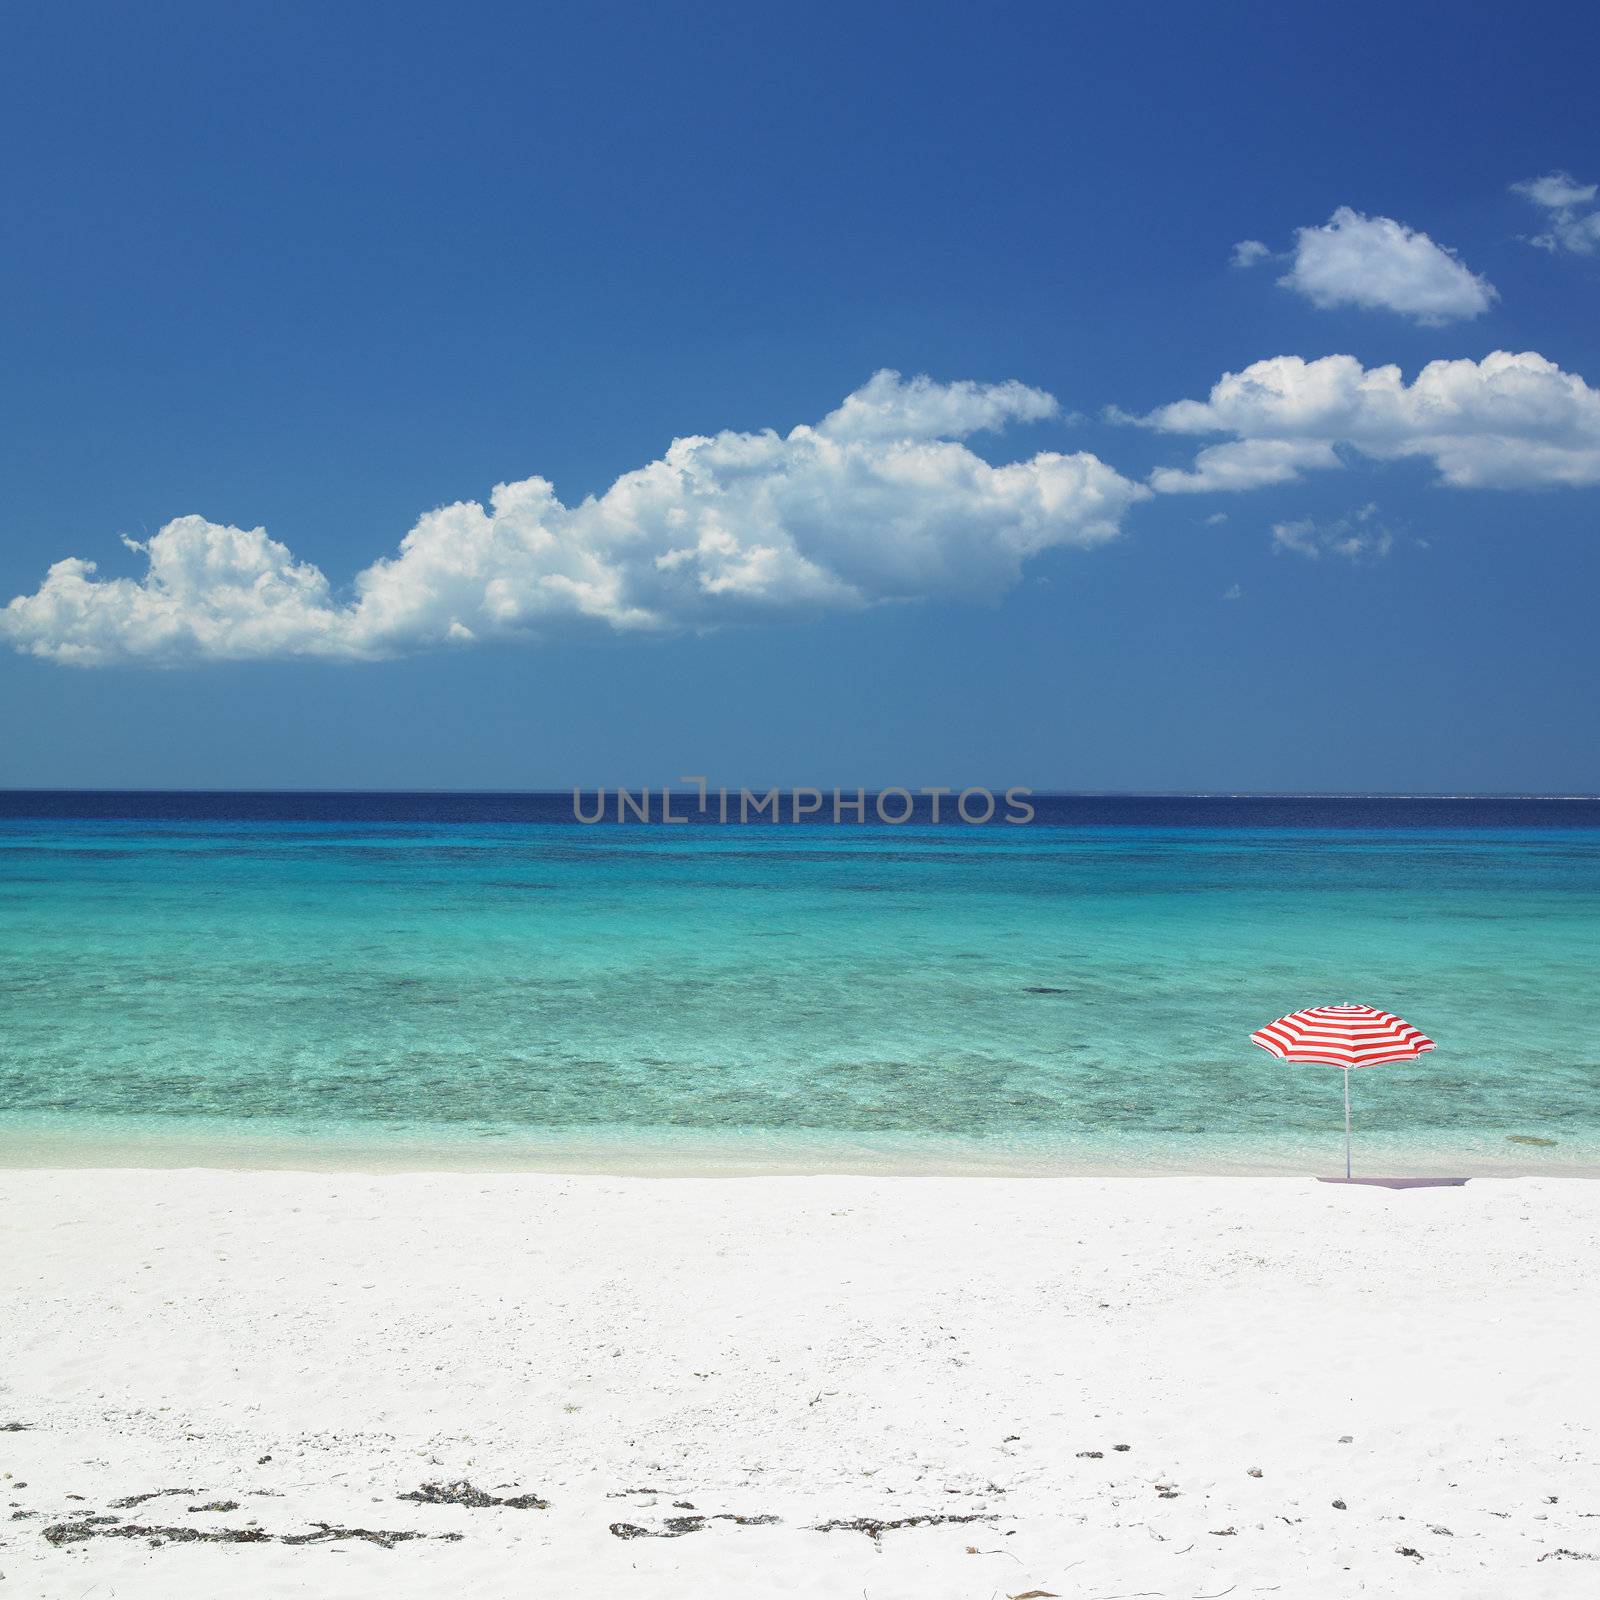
(271, 1383)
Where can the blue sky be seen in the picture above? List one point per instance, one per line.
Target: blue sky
(325, 270)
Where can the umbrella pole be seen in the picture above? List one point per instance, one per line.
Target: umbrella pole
(1346, 1076)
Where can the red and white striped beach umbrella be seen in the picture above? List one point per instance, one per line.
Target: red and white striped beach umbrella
(1343, 1036)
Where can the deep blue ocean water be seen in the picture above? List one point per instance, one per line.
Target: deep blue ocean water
(444, 979)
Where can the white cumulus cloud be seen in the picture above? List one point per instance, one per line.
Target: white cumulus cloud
(1572, 222)
(1377, 263)
(1506, 422)
(879, 502)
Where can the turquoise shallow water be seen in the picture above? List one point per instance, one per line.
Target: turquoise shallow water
(1039, 998)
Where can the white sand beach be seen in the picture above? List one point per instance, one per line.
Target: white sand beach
(245, 1383)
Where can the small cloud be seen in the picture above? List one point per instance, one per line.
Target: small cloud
(1233, 593)
(1245, 464)
(1556, 191)
(1248, 252)
(1378, 264)
(1572, 222)
(1357, 537)
(1216, 519)
(891, 407)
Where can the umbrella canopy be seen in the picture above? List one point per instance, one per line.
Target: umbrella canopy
(1343, 1036)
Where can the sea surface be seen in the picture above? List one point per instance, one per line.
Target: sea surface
(465, 980)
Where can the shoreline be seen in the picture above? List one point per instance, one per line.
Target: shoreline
(32, 1142)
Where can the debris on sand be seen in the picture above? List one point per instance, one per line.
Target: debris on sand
(60, 1533)
(463, 1494)
(387, 1538)
(152, 1494)
(215, 1505)
(672, 1528)
(875, 1529)
(676, 1527)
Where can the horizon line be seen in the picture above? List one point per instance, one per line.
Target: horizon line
(1047, 794)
